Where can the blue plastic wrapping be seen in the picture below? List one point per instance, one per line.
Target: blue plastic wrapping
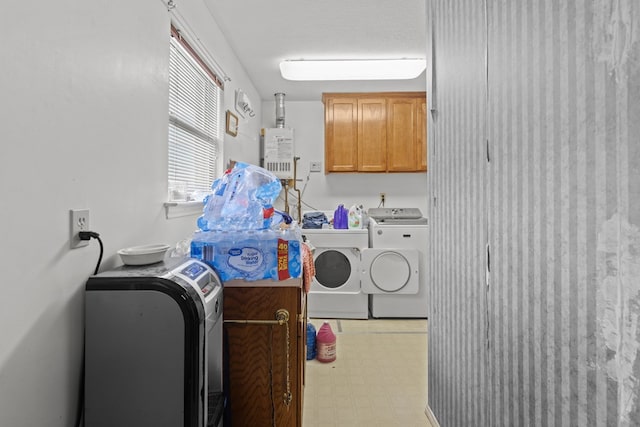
(242, 199)
(251, 254)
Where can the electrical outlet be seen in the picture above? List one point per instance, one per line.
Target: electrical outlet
(315, 167)
(383, 196)
(79, 222)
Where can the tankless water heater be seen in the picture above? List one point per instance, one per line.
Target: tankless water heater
(279, 152)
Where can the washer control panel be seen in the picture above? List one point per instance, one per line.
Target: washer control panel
(394, 213)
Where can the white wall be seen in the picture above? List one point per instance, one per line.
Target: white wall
(84, 125)
(325, 192)
(83, 114)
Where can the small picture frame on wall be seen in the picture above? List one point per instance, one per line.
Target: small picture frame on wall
(232, 124)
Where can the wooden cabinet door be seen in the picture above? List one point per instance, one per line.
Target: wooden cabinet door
(372, 135)
(421, 125)
(262, 364)
(402, 133)
(302, 354)
(341, 138)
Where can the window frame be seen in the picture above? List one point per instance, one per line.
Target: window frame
(180, 129)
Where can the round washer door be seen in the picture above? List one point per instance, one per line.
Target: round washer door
(390, 271)
(336, 271)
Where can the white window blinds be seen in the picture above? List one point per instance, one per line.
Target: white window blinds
(194, 125)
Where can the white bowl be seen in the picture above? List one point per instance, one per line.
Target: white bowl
(143, 255)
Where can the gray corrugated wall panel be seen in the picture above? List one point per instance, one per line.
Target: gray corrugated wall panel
(458, 222)
(554, 340)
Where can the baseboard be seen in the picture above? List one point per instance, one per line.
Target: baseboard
(432, 418)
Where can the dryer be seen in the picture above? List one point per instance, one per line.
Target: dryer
(394, 267)
(336, 291)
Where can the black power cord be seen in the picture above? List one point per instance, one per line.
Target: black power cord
(87, 235)
(80, 412)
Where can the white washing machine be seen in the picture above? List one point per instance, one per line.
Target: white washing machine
(336, 292)
(394, 266)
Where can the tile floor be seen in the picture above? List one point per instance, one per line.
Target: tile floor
(379, 377)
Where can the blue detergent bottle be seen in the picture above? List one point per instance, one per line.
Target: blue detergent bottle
(340, 218)
(311, 341)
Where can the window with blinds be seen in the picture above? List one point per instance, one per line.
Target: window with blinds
(195, 133)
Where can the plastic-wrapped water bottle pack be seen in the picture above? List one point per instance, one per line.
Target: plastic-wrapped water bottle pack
(242, 199)
(250, 254)
(241, 235)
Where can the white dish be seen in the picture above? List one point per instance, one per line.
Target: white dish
(143, 255)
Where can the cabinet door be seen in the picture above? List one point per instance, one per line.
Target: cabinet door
(302, 354)
(262, 364)
(401, 125)
(422, 134)
(341, 138)
(372, 135)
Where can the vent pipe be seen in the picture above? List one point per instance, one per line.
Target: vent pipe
(279, 109)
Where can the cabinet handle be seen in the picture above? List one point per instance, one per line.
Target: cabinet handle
(282, 319)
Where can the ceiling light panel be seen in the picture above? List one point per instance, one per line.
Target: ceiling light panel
(361, 69)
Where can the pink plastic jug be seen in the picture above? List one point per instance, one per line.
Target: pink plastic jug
(326, 344)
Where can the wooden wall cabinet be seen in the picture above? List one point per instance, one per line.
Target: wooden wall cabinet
(371, 140)
(375, 132)
(262, 365)
(341, 128)
(422, 134)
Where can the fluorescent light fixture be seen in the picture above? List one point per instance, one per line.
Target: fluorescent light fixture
(353, 69)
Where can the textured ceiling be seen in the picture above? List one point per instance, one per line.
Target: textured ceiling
(263, 33)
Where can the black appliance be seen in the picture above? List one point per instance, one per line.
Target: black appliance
(153, 346)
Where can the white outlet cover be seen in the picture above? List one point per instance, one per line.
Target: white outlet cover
(79, 221)
(315, 167)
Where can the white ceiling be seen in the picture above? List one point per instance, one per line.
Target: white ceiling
(264, 32)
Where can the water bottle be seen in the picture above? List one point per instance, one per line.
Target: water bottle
(326, 344)
(311, 341)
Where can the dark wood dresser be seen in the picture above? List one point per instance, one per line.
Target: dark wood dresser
(265, 354)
